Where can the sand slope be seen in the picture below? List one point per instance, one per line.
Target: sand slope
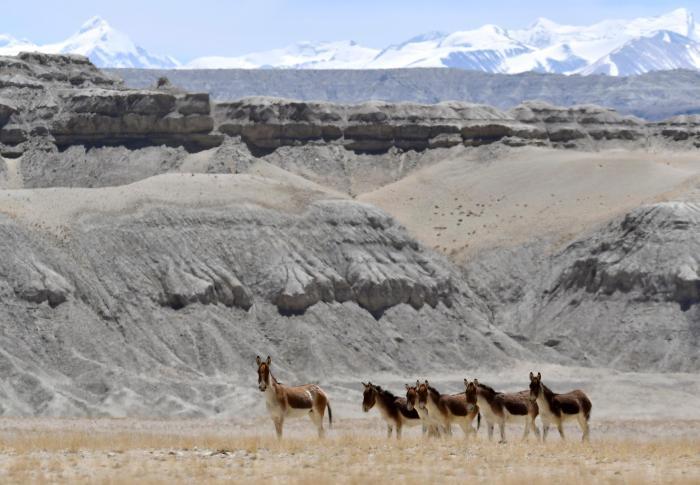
(462, 205)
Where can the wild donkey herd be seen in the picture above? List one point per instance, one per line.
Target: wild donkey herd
(436, 412)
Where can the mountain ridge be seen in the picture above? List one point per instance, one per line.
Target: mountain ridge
(612, 47)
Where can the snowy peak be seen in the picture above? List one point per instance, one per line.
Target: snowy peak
(94, 23)
(108, 47)
(662, 50)
(99, 41)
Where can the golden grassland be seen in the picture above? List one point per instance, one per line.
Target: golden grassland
(355, 451)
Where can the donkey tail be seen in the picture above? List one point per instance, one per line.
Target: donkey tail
(587, 406)
(478, 421)
(330, 415)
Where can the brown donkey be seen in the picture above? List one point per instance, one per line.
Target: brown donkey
(393, 409)
(558, 408)
(430, 425)
(448, 409)
(289, 402)
(499, 408)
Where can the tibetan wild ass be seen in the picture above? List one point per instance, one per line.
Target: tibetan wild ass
(393, 409)
(432, 425)
(289, 402)
(448, 409)
(557, 408)
(501, 408)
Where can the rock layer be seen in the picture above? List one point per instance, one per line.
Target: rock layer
(66, 101)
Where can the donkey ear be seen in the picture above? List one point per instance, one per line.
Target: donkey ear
(539, 376)
(269, 360)
(532, 376)
(407, 387)
(258, 360)
(476, 382)
(363, 384)
(417, 382)
(426, 382)
(466, 381)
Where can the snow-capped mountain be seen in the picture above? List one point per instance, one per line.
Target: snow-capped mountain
(612, 47)
(615, 47)
(9, 46)
(483, 49)
(661, 50)
(322, 55)
(594, 42)
(96, 39)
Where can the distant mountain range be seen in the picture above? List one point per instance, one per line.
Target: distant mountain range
(612, 47)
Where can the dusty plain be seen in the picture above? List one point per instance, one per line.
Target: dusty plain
(45, 450)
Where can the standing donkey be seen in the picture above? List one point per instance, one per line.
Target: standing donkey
(448, 409)
(558, 408)
(393, 409)
(289, 402)
(431, 424)
(499, 408)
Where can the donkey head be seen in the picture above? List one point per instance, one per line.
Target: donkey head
(422, 394)
(470, 392)
(411, 397)
(369, 396)
(263, 372)
(535, 386)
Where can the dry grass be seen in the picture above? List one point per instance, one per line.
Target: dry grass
(124, 451)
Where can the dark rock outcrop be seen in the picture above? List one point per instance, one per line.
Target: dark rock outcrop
(67, 101)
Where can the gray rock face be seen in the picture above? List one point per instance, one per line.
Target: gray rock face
(266, 124)
(159, 309)
(67, 101)
(77, 166)
(578, 123)
(627, 296)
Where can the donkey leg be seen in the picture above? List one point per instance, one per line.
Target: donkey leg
(389, 429)
(490, 427)
(317, 419)
(465, 429)
(583, 423)
(278, 426)
(526, 431)
(399, 426)
(502, 429)
(545, 430)
(560, 427)
(535, 429)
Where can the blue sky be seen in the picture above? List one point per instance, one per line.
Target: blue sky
(187, 29)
